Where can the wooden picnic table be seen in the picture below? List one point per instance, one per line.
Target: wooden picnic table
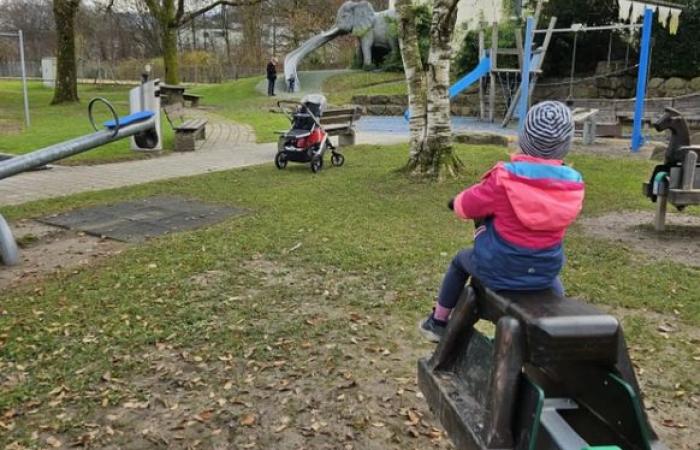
(172, 93)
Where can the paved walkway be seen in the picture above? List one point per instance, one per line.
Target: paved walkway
(228, 146)
(311, 83)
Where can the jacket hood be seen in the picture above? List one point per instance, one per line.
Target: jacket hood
(545, 195)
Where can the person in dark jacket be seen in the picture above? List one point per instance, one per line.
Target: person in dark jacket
(271, 76)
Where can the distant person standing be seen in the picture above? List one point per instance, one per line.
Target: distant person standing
(271, 76)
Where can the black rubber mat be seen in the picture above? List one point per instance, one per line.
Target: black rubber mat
(138, 220)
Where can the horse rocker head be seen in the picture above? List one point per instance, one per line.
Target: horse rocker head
(670, 119)
(355, 17)
(673, 120)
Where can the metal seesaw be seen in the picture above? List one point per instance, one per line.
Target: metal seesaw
(141, 125)
(556, 376)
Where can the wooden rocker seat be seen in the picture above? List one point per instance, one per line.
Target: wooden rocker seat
(556, 375)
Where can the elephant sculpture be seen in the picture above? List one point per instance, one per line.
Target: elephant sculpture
(373, 29)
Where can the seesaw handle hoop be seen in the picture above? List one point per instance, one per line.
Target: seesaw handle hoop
(111, 109)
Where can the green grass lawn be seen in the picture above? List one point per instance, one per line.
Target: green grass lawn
(360, 241)
(241, 102)
(53, 124)
(341, 88)
(237, 100)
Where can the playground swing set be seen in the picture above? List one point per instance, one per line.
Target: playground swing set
(530, 61)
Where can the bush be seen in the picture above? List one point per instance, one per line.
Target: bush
(468, 54)
(393, 62)
(679, 55)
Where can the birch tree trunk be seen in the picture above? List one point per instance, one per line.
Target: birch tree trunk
(431, 154)
(438, 155)
(415, 78)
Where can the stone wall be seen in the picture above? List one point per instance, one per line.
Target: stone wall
(621, 85)
(673, 87)
(466, 104)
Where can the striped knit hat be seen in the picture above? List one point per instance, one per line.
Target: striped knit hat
(548, 131)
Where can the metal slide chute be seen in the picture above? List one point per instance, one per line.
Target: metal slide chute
(293, 58)
(481, 70)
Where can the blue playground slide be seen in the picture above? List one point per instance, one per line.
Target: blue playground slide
(483, 68)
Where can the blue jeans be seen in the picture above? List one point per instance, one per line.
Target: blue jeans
(457, 275)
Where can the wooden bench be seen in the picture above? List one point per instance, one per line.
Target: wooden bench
(341, 122)
(585, 121)
(692, 117)
(187, 131)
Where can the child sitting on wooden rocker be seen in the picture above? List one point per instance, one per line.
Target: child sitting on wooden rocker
(526, 206)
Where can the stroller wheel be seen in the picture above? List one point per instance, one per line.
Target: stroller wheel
(317, 164)
(337, 159)
(280, 161)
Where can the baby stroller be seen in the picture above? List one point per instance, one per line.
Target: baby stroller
(307, 141)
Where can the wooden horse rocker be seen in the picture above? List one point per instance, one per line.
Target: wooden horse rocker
(556, 376)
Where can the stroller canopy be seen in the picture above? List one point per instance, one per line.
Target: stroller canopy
(316, 103)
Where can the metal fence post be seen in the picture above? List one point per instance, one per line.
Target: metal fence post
(27, 120)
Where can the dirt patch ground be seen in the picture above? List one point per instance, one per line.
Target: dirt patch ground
(45, 249)
(670, 388)
(312, 372)
(679, 243)
(611, 147)
(312, 368)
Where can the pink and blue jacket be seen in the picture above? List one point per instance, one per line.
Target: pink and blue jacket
(527, 205)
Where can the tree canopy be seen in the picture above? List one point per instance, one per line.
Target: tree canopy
(673, 55)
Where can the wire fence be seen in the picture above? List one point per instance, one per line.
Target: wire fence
(131, 71)
(11, 69)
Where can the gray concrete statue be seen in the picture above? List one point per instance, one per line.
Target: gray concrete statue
(373, 29)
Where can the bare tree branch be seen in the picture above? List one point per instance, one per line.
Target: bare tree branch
(154, 6)
(180, 10)
(189, 16)
(451, 12)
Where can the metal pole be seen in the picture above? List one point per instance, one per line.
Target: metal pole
(594, 28)
(527, 59)
(43, 156)
(573, 67)
(482, 53)
(637, 137)
(492, 75)
(27, 120)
